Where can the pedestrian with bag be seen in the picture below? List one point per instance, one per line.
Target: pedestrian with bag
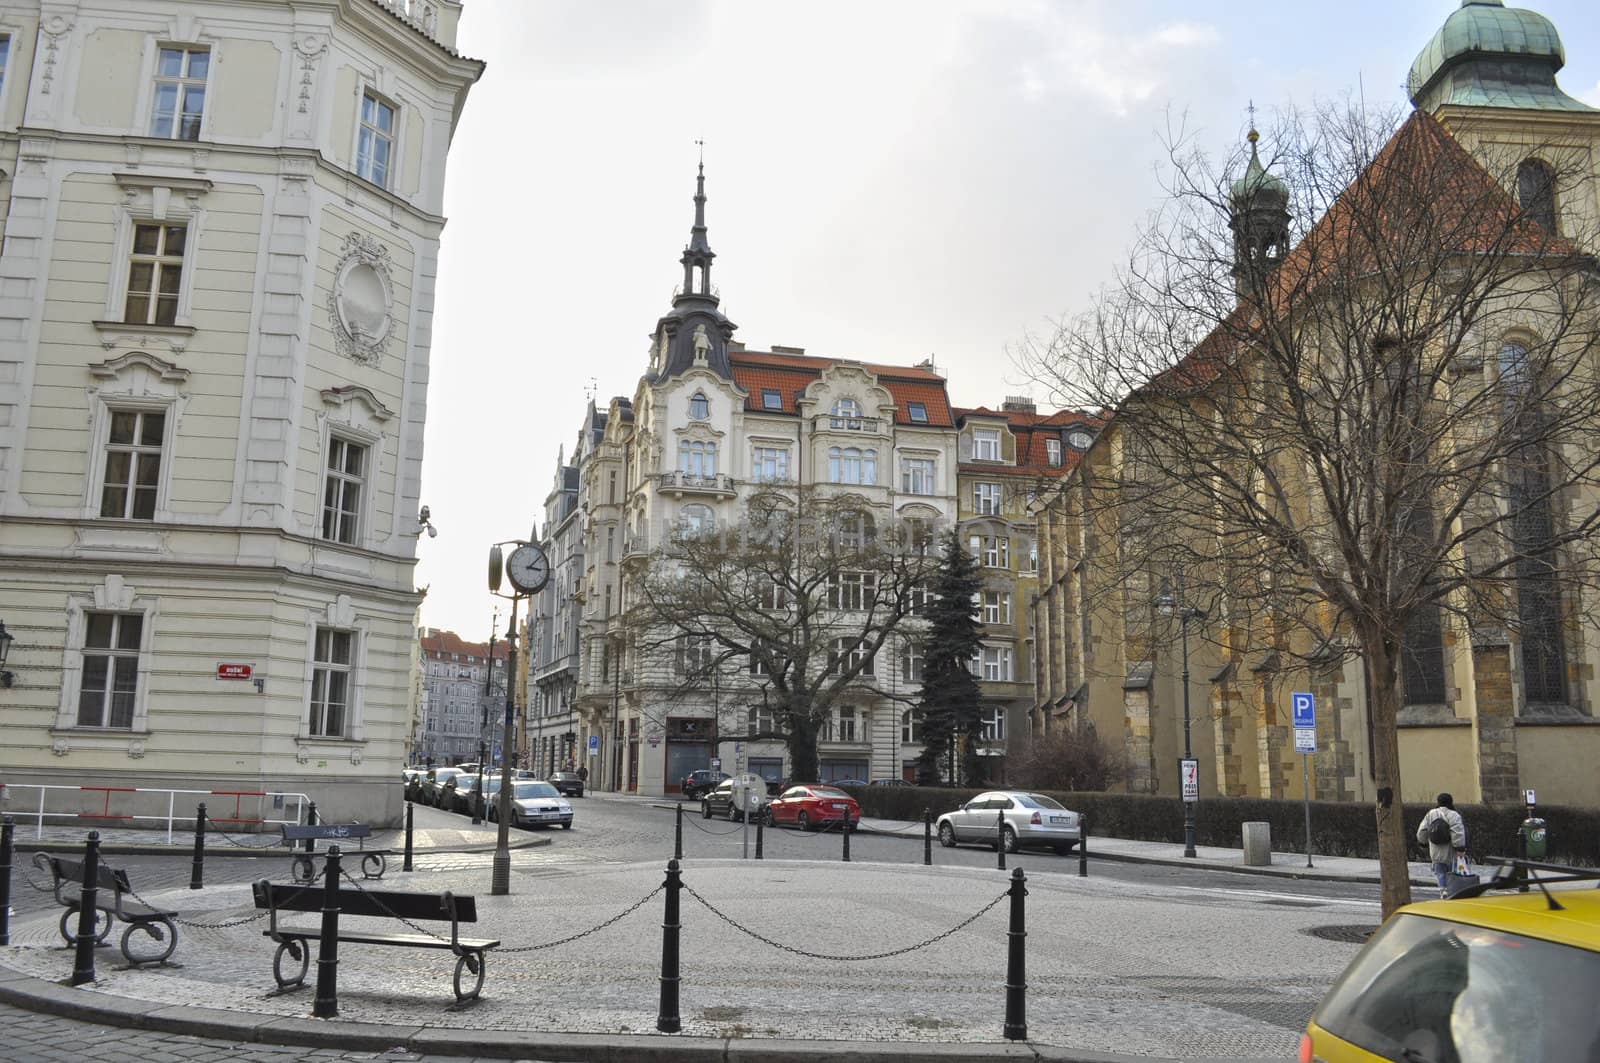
(1444, 832)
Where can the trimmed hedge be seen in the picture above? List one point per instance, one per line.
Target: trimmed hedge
(1338, 828)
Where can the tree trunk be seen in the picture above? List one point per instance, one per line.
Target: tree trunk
(1393, 868)
(802, 749)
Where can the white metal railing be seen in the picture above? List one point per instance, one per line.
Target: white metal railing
(137, 805)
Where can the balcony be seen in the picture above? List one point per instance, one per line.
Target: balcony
(679, 483)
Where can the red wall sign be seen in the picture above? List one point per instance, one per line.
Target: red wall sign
(235, 671)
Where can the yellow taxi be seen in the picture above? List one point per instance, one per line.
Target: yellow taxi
(1499, 977)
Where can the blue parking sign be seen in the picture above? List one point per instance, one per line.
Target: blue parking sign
(1305, 709)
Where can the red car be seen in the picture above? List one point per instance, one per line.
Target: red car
(811, 805)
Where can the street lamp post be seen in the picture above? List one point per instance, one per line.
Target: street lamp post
(1170, 605)
(528, 571)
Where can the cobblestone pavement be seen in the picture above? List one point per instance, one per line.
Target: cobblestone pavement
(31, 1037)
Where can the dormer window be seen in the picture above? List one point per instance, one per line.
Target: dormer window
(1052, 451)
(1079, 440)
(699, 407)
(986, 444)
(917, 411)
(771, 399)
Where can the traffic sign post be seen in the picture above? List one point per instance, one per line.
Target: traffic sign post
(594, 745)
(1304, 708)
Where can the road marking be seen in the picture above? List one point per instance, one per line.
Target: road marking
(1273, 895)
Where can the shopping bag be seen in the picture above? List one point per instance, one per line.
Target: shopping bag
(1463, 863)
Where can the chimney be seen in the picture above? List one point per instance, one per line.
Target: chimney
(1018, 404)
(776, 349)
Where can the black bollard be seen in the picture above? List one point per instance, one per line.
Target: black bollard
(311, 821)
(761, 821)
(6, 831)
(197, 871)
(1522, 854)
(927, 837)
(1083, 846)
(1000, 839)
(326, 1005)
(1016, 1027)
(410, 811)
(667, 1020)
(677, 835)
(846, 832)
(83, 962)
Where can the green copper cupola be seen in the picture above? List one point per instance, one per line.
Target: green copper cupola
(1259, 217)
(1490, 55)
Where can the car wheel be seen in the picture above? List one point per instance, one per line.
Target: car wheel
(733, 817)
(705, 809)
(1008, 838)
(566, 826)
(803, 821)
(1065, 848)
(947, 836)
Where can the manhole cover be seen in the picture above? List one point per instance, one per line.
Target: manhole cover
(1353, 935)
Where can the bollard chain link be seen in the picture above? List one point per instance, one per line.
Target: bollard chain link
(845, 959)
(719, 833)
(593, 929)
(254, 917)
(243, 845)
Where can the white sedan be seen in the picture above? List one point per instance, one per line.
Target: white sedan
(1030, 820)
(535, 804)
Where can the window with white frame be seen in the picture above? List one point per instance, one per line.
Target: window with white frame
(911, 661)
(986, 499)
(847, 653)
(699, 406)
(375, 139)
(852, 591)
(997, 607)
(996, 667)
(332, 656)
(155, 274)
(132, 480)
(5, 54)
(759, 655)
(916, 476)
(696, 519)
(854, 530)
(343, 485)
(109, 688)
(1033, 555)
(847, 415)
(769, 464)
(851, 465)
(694, 654)
(697, 459)
(180, 92)
(846, 731)
(986, 444)
(911, 725)
(1052, 451)
(761, 721)
(993, 724)
(771, 595)
(991, 551)
(918, 597)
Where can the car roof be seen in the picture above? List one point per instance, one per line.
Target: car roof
(1528, 914)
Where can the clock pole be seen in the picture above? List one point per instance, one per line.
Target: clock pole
(500, 876)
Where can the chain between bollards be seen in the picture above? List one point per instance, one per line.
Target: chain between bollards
(197, 871)
(326, 1006)
(6, 848)
(927, 837)
(1083, 846)
(83, 960)
(410, 813)
(1000, 839)
(667, 1020)
(1016, 1025)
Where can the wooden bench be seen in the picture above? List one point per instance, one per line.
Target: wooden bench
(304, 864)
(446, 907)
(111, 902)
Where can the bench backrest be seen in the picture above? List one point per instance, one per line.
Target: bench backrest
(326, 831)
(69, 871)
(382, 903)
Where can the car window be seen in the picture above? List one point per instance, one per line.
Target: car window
(829, 791)
(1435, 989)
(522, 791)
(1040, 801)
(793, 792)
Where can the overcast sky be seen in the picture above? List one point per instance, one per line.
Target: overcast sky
(886, 180)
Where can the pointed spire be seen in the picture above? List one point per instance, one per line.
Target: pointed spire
(697, 235)
(697, 255)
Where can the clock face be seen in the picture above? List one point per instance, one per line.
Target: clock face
(528, 569)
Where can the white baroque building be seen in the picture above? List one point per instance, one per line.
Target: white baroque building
(221, 231)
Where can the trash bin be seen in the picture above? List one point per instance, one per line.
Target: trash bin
(1534, 841)
(1257, 844)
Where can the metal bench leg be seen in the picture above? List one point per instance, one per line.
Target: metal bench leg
(304, 869)
(372, 865)
(472, 964)
(69, 926)
(163, 941)
(297, 951)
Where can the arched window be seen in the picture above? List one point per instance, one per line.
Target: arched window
(699, 407)
(697, 459)
(696, 519)
(1528, 503)
(1536, 192)
(846, 408)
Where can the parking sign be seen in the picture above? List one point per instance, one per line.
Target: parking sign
(1305, 709)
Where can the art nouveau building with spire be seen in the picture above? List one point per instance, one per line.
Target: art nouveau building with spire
(221, 234)
(1490, 704)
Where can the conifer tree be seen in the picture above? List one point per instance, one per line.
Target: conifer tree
(949, 703)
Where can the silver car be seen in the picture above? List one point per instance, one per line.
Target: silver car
(1031, 820)
(535, 804)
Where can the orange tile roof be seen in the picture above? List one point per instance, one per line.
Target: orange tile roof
(789, 374)
(435, 642)
(1031, 431)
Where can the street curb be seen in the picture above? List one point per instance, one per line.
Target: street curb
(53, 998)
(114, 849)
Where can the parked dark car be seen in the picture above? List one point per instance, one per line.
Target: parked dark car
(696, 783)
(567, 782)
(460, 792)
(433, 784)
(735, 798)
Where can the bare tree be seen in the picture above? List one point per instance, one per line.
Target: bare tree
(1354, 410)
(791, 607)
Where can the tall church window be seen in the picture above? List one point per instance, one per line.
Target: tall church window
(1536, 192)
